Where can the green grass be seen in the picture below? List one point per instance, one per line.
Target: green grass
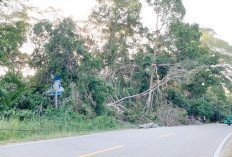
(45, 128)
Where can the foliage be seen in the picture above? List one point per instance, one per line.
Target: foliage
(98, 92)
(31, 101)
(120, 20)
(12, 38)
(169, 9)
(201, 107)
(176, 97)
(11, 87)
(201, 81)
(112, 72)
(137, 115)
(164, 58)
(123, 59)
(54, 123)
(186, 40)
(60, 51)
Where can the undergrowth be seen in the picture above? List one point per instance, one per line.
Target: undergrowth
(20, 127)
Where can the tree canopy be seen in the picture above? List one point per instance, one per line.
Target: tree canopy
(124, 70)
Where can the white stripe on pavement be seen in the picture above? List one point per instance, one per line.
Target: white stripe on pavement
(219, 148)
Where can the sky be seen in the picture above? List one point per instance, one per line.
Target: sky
(215, 14)
(78, 9)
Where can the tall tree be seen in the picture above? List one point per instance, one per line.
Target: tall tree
(121, 33)
(59, 50)
(13, 31)
(119, 22)
(166, 12)
(12, 38)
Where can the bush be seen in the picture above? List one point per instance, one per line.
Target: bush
(95, 93)
(138, 116)
(31, 101)
(178, 99)
(18, 114)
(11, 86)
(201, 107)
(171, 116)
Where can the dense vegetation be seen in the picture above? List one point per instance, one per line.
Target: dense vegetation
(113, 69)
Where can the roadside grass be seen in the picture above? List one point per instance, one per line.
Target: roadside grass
(14, 130)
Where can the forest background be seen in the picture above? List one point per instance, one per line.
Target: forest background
(115, 71)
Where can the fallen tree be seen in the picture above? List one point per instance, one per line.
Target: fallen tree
(180, 72)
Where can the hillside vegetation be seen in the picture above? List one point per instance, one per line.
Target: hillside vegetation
(114, 70)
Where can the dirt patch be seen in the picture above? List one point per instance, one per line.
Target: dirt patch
(227, 149)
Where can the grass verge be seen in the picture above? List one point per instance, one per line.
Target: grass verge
(15, 130)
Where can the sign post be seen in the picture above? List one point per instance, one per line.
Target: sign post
(56, 99)
(56, 89)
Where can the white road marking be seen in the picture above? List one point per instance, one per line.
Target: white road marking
(55, 139)
(219, 148)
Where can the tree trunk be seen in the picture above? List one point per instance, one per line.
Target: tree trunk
(73, 92)
(150, 97)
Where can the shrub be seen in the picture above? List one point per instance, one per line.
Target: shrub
(171, 116)
(31, 101)
(201, 107)
(138, 116)
(178, 99)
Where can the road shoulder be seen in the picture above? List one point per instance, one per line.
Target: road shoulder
(227, 149)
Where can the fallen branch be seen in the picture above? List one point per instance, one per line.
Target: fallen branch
(119, 107)
(178, 72)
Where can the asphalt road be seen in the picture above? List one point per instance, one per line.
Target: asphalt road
(184, 141)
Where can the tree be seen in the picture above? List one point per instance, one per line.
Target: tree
(190, 44)
(186, 39)
(59, 50)
(219, 94)
(121, 31)
(12, 38)
(13, 32)
(56, 50)
(119, 21)
(167, 12)
(221, 49)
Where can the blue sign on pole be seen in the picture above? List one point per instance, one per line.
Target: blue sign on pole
(56, 88)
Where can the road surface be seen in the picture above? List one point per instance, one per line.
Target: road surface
(183, 141)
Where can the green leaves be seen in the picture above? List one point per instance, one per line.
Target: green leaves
(30, 100)
(202, 80)
(177, 98)
(186, 39)
(201, 107)
(61, 52)
(119, 21)
(12, 38)
(58, 47)
(167, 11)
(123, 59)
(11, 87)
